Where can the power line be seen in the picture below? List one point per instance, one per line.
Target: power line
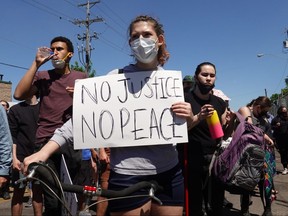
(15, 66)
(118, 16)
(118, 24)
(45, 8)
(86, 36)
(49, 10)
(113, 45)
(116, 21)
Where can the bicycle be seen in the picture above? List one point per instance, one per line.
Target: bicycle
(38, 172)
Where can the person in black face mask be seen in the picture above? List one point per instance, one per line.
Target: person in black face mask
(201, 146)
(280, 131)
(256, 114)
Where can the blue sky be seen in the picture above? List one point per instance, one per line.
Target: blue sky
(228, 33)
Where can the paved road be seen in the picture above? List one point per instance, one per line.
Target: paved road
(5, 209)
(279, 206)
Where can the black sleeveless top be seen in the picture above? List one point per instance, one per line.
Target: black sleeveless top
(199, 136)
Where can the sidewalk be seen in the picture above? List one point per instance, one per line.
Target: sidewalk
(279, 206)
(5, 206)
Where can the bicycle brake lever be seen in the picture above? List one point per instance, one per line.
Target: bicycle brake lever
(20, 180)
(28, 177)
(152, 195)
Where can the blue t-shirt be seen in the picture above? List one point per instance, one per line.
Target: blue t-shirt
(86, 154)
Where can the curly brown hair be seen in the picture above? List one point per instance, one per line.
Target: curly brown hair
(163, 54)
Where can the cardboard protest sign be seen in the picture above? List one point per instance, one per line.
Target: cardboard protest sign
(70, 198)
(129, 109)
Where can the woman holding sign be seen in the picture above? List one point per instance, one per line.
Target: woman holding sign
(130, 165)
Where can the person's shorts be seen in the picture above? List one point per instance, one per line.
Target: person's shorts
(172, 195)
(85, 174)
(16, 175)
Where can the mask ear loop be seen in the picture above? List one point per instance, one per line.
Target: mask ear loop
(66, 56)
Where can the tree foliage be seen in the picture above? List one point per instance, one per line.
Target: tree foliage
(77, 67)
(285, 91)
(274, 97)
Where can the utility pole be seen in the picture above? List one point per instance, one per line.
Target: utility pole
(86, 36)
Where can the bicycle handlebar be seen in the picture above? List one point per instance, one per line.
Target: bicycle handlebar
(40, 169)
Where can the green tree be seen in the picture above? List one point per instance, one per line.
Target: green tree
(77, 67)
(274, 97)
(284, 91)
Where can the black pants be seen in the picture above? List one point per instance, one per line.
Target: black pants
(51, 203)
(202, 188)
(73, 159)
(266, 196)
(283, 150)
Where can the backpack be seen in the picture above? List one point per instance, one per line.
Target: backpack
(239, 167)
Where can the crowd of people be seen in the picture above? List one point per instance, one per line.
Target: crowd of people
(40, 128)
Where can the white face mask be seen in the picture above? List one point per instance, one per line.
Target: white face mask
(59, 63)
(144, 49)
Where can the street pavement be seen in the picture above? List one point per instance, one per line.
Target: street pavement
(279, 206)
(5, 206)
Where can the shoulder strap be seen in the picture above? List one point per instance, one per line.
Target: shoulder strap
(120, 71)
(255, 121)
(240, 117)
